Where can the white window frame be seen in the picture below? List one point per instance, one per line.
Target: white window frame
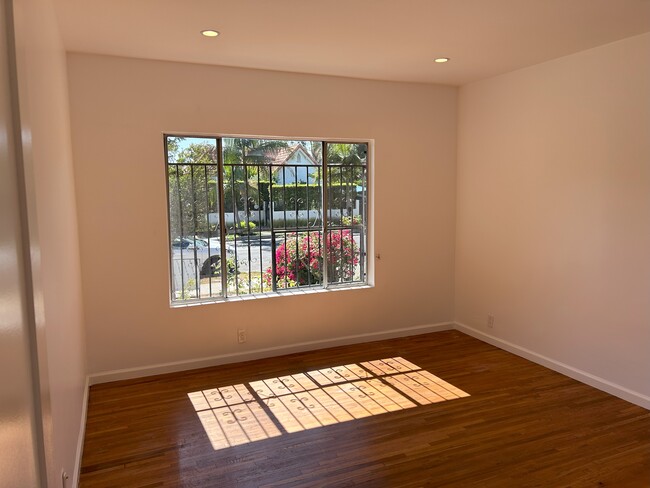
(325, 285)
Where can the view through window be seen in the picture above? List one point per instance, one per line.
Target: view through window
(256, 216)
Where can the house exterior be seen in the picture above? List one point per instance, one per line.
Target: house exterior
(292, 164)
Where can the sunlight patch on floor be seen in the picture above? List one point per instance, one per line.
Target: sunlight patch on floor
(239, 414)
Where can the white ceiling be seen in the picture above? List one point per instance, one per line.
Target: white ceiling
(377, 39)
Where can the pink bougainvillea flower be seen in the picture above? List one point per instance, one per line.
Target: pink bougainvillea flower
(299, 259)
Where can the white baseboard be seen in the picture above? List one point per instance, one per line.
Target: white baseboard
(575, 373)
(124, 374)
(82, 435)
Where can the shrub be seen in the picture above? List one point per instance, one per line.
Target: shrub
(299, 260)
(246, 229)
(214, 267)
(354, 220)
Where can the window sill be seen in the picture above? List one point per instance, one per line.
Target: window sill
(277, 294)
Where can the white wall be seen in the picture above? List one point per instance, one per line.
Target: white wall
(120, 107)
(45, 126)
(553, 229)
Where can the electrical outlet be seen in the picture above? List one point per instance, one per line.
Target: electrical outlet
(241, 336)
(490, 322)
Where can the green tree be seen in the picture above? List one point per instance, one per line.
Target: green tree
(246, 172)
(346, 163)
(192, 178)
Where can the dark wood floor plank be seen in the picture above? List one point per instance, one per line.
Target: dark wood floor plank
(522, 425)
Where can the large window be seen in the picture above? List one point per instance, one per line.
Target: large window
(258, 216)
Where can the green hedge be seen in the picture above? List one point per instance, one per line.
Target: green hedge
(307, 194)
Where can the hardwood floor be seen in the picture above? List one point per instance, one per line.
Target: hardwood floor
(480, 417)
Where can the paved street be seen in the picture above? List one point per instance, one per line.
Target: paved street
(258, 254)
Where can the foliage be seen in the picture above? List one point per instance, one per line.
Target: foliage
(192, 186)
(346, 163)
(301, 197)
(239, 190)
(246, 186)
(189, 290)
(354, 220)
(347, 154)
(246, 227)
(299, 260)
(215, 267)
(240, 176)
(238, 151)
(193, 180)
(309, 196)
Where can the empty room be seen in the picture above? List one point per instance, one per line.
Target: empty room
(299, 244)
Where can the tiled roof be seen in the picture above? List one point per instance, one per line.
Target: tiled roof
(280, 156)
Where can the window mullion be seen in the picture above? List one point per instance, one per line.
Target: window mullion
(222, 219)
(364, 227)
(324, 203)
(274, 285)
(180, 213)
(207, 222)
(172, 295)
(197, 271)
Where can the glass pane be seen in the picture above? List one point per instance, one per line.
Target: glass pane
(193, 217)
(191, 150)
(298, 259)
(347, 154)
(247, 240)
(346, 239)
(273, 198)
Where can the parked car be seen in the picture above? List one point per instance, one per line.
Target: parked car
(205, 254)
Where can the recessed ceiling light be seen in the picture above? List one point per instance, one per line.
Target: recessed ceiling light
(210, 33)
(441, 60)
